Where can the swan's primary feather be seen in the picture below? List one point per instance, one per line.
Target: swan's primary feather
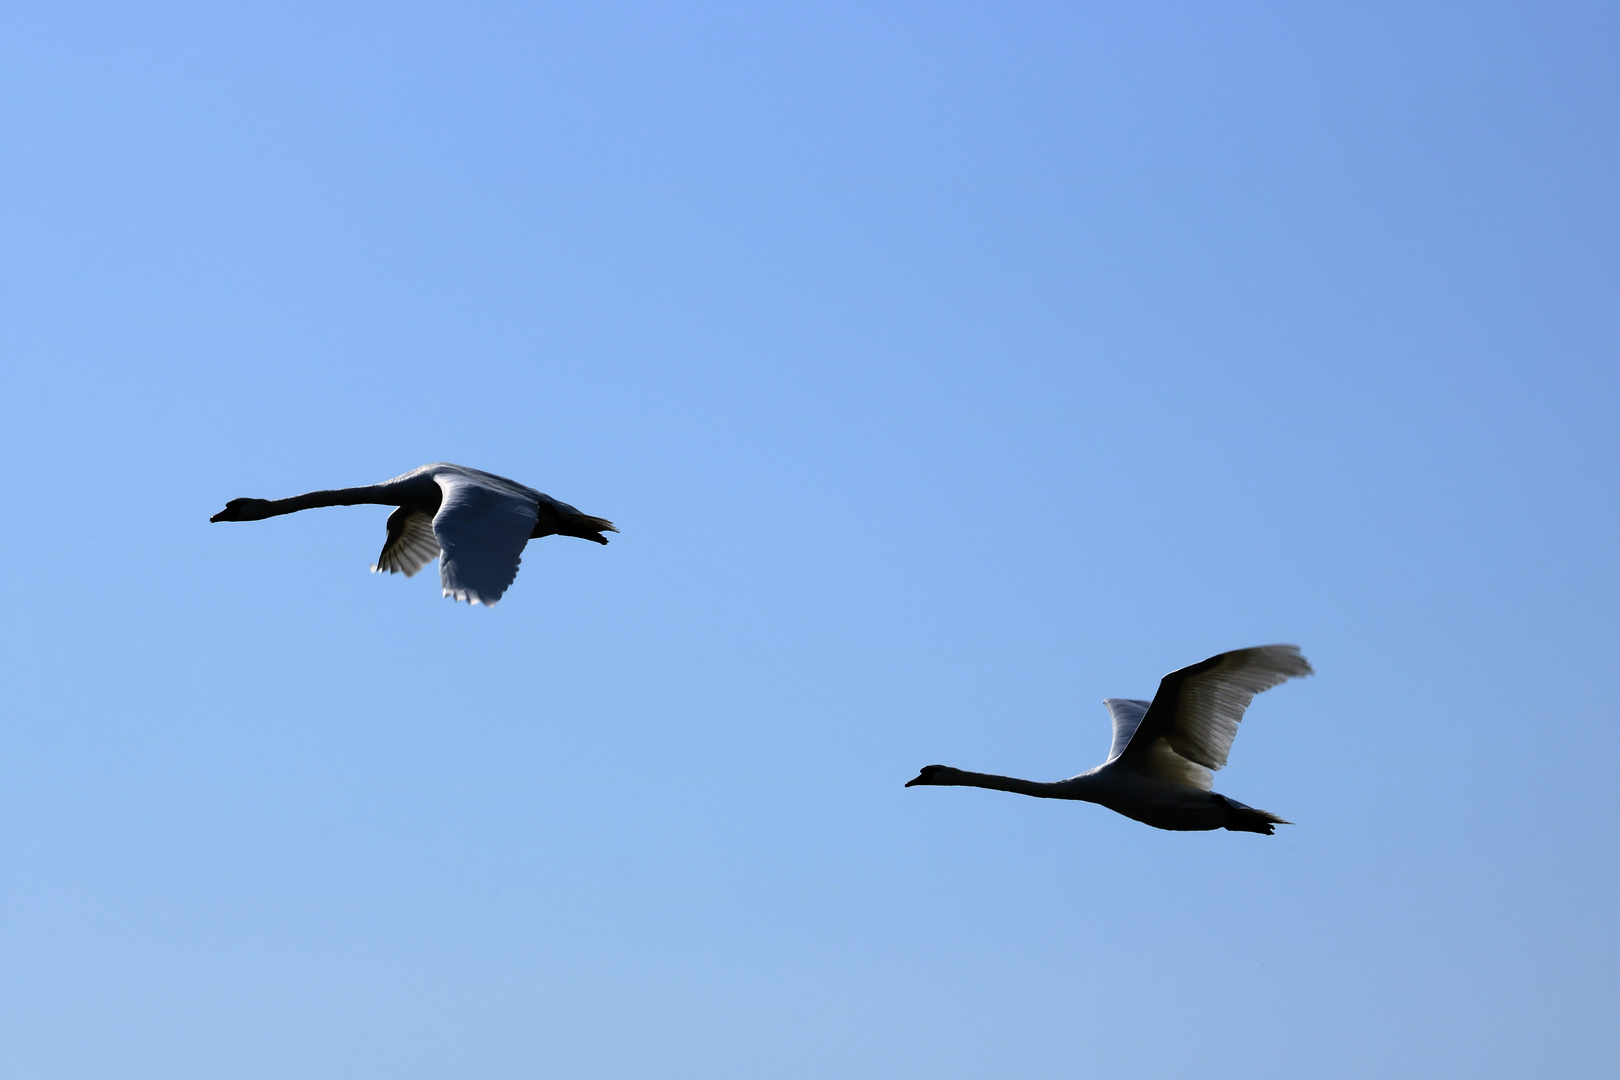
(1196, 712)
(411, 544)
(481, 529)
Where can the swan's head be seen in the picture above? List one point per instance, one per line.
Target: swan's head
(243, 510)
(933, 774)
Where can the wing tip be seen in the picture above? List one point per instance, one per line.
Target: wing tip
(1286, 660)
(470, 596)
(1297, 667)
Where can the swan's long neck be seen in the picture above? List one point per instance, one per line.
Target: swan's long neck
(963, 778)
(380, 494)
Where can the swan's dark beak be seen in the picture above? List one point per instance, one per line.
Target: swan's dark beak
(242, 510)
(926, 776)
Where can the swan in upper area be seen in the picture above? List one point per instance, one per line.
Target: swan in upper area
(477, 521)
(1158, 769)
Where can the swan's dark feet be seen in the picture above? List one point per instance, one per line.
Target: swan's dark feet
(587, 528)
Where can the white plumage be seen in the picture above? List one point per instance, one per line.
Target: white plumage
(1160, 764)
(482, 530)
(475, 523)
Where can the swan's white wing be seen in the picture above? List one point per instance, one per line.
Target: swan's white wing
(482, 530)
(411, 544)
(1196, 712)
(1127, 714)
(1215, 694)
(1158, 758)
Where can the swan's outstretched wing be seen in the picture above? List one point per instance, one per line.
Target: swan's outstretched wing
(411, 544)
(1190, 725)
(481, 529)
(1127, 714)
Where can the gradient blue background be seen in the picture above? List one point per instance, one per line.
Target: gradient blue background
(948, 368)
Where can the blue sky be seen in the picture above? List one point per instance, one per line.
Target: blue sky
(948, 368)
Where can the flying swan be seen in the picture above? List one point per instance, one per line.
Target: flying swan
(1158, 769)
(475, 523)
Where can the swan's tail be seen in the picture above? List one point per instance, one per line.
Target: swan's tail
(586, 527)
(1240, 818)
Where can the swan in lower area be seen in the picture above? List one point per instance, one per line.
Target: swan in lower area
(475, 523)
(1159, 768)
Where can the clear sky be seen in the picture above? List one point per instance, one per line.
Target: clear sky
(948, 368)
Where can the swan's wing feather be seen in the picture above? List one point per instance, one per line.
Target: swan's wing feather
(481, 529)
(1127, 714)
(1152, 756)
(1197, 709)
(411, 544)
(1159, 759)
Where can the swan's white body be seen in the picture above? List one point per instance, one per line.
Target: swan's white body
(475, 523)
(1160, 765)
